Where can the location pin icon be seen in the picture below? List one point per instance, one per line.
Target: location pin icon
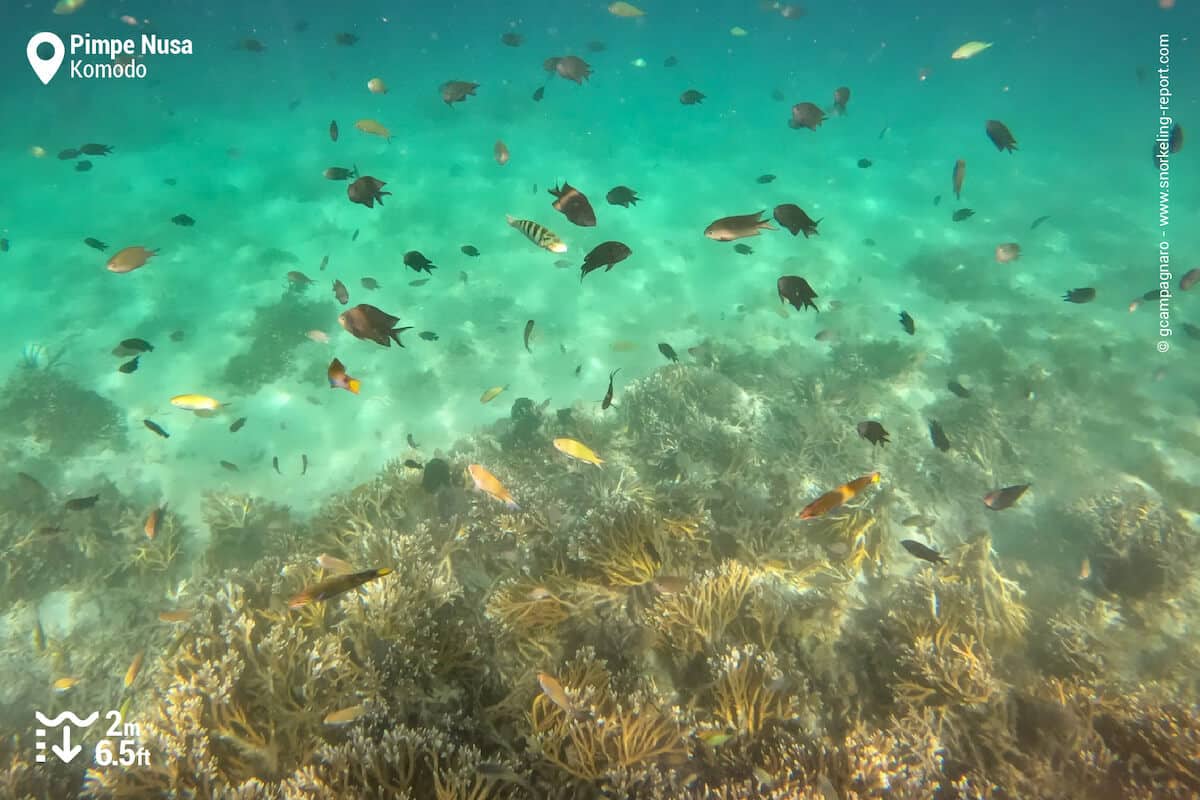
(45, 68)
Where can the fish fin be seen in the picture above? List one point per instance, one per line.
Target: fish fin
(395, 334)
(353, 384)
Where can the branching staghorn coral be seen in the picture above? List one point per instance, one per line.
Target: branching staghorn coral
(958, 674)
(604, 732)
(749, 692)
(1001, 616)
(695, 620)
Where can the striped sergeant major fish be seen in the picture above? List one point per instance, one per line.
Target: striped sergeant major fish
(540, 235)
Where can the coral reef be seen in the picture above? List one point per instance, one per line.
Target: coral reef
(54, 417)
(273, 342)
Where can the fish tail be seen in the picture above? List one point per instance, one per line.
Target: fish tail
(512, 504)
(353, 384)
(395, 334)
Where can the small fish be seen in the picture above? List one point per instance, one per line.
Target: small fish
(129, 366)
(622, 196)
(176, 336)
(969, 50)
(470, 250)
(835, 498)
(922, 552)
(512, 39)
(68, 154)
(417, 262)
(670, 61)
(527, 334)
(340, 173)
(624, 9)
(324, 262)
(1189, 279)
(574, 205)
(419, 282)
(578, 369)
(1085, 295)
(81, 503)
(489, 484)
(958, 389)
(95, 244)
(605, 254)
(873, 432)
(64, 685)
(333, 130)
(366, 322)
(457, 91)
(908, 323)
(158, 429)
(864, 163)
(275, 464)
(539, 93)
(303, 463)
(1007, 252)
(796, 290)
(338, 379)
(668, 352)
(796, 220)
(937, 200)
(938, 436)
(354, 236)
(728, 229)
(320, 337)
(137, 345)
(195, 402)
(345, 716)
(1000, 135)
(412, 463)
(1085, 569)
(412, 442)
(962, 214)
(373, 128)
(370, 284)
(492, 393)
(229, 466)
(428, 336)
(154, 520)
(340, 292)
(127, 259)
(183, 220)
(176, 615)
(960, 172)
(577, 450)
(377, 86)
(538, 234)
(334, 586)
(39, 635)
(83, 166)
(1039, 221)
(918, 521)
(554, 692)
(135, 667)
(608, 396)
(806, 115)
(4, 245)
(841, 96)
(743, 249)
(345, 39)
(1004, 498)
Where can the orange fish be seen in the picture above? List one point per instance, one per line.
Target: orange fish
(178, 615)
(154, 520)
(134, 668)
(130, 258)
(338, 379)
(960, 172)
(488, 483)
(502, 154)
(374, 128)
(831, 500)
(554, 691)
(1085, 569)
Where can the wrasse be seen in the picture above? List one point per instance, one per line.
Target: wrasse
(374, 128)
(135, 667)
(338, 584)
(338, 379)
(176, 615)
(969, 49)
(831, 500)
(577, 450)
(489, 484)
(540, 235)
(195, 402)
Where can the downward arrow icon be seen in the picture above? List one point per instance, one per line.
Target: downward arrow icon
(66, 752)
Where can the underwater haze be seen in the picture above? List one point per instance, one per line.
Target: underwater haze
(567, 400)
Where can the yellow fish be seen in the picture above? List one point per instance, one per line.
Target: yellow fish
(970, 49)
(737, 30)
(37, 151)
(623, 9)
(376, 86)
(345, 716)
(135, 667)
(554, 691)
(176, 615)
(195, 402)
(577, 450)
(63, 685)
(374, 128)
(63, 7)
(540, 235)
(488, 483)
(492, 393)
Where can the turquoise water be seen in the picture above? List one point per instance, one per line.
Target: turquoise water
(1075, 399)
